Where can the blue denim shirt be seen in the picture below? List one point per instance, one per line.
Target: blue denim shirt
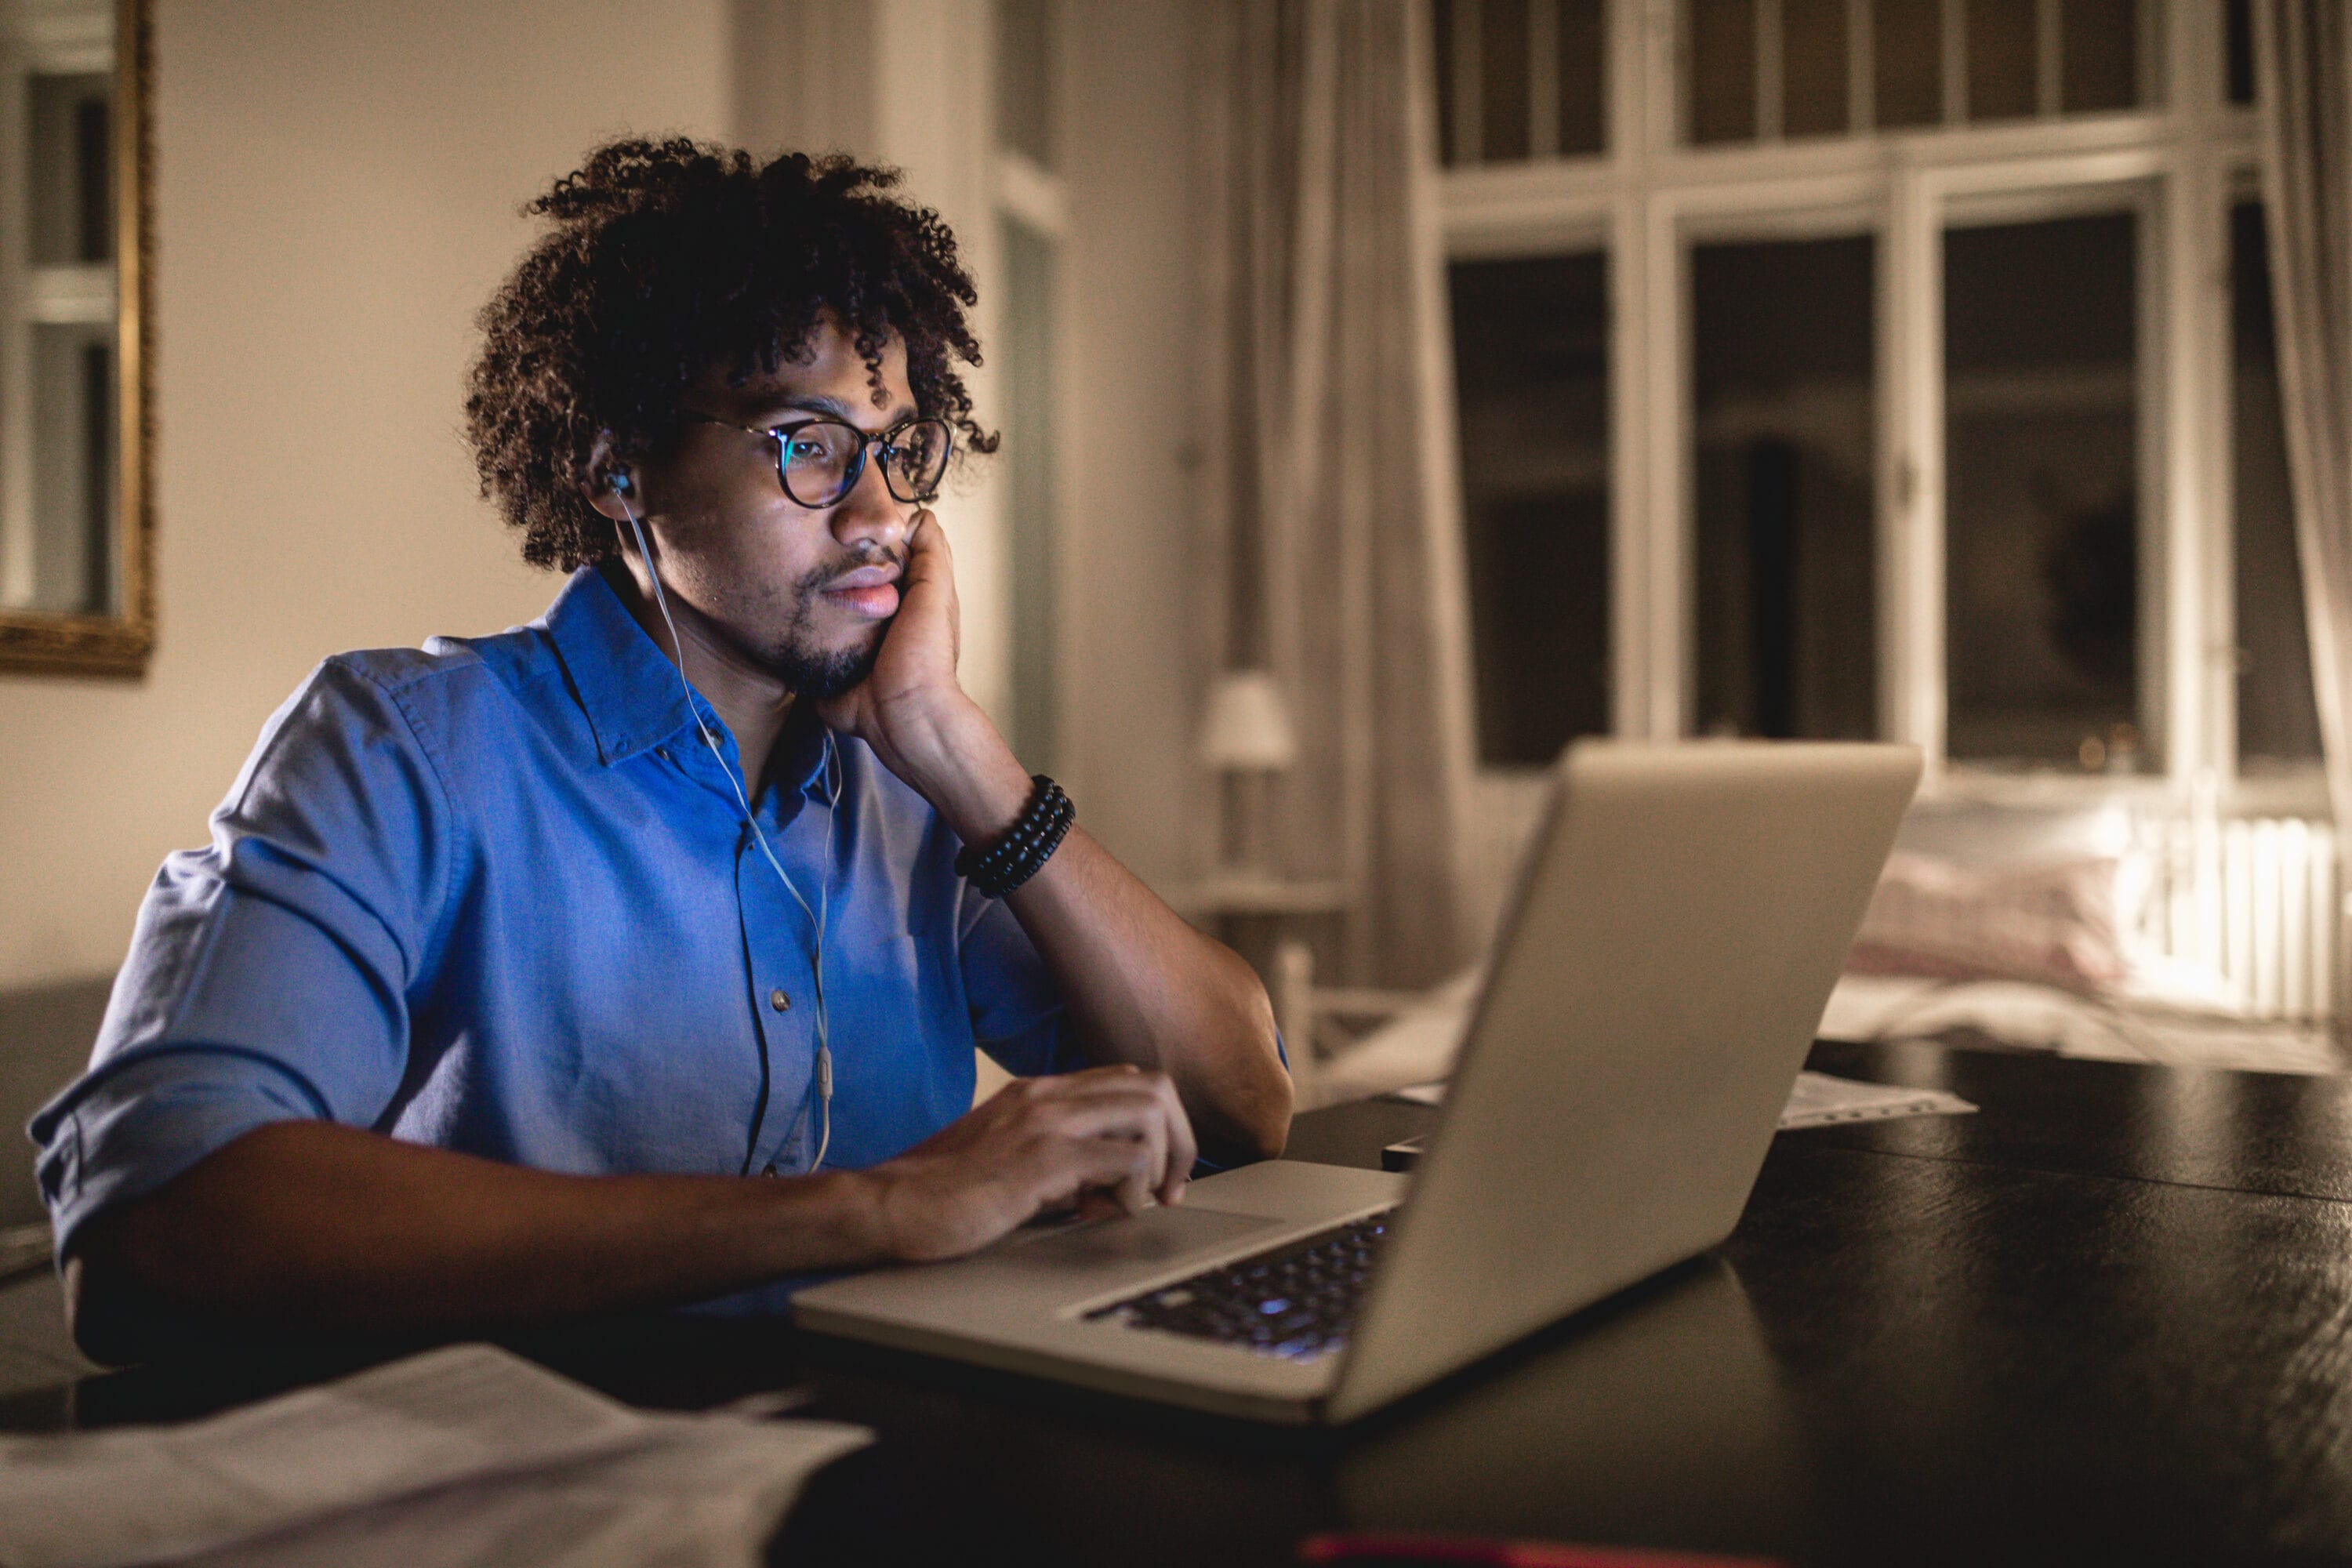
(497, 895)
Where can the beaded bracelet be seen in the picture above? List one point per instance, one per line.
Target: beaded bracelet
(1025, 847)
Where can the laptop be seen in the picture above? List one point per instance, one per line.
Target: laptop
(1678, 921)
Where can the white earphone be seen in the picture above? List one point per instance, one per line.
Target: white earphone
(622, 487)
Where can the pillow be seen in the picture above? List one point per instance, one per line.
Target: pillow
(2052, 924)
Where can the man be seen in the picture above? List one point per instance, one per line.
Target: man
(638, 956)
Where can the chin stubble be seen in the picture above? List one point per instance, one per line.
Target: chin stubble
(821, 674)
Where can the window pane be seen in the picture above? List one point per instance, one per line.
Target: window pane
(2277, 719)
(2238, 60)
(1025, 96)
(1781, 377)
(1907, 48)
(2042, 502)
(2001, 58)
(1722, 83)
(1026, 342)
(1531, 369)
(1441, 56)
(1813, 62)
(2101, 49)
(1583, 99)
(1503, 85)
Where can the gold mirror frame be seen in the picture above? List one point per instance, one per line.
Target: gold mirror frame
(118, 643)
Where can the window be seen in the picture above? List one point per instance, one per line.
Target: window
(1531, 363)
(1027, 334)
(1024, 97)
(1031, 218)
(1904, 405)
(2278, 722)
(1763, 70)
(2042, 508)
(2239, 58)
(1784, 541)
(1519, 79)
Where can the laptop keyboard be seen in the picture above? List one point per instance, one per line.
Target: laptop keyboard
(1298, 1301)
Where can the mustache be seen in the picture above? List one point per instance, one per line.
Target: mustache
(818, 579)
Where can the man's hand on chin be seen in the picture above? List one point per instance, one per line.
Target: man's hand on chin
(1141, 987)
(916, 717)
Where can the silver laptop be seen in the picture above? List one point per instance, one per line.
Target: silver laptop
(1678, 925)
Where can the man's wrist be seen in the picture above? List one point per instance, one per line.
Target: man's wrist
(954, 758)
(827, 1219)
(866, 1211)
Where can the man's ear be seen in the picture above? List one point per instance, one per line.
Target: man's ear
(611, 488)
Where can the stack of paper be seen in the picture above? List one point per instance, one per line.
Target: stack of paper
(1815, 1100)
(465, 1454)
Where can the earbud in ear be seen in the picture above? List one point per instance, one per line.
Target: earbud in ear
(620, 484)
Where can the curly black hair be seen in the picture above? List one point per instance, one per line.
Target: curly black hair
(667, 258)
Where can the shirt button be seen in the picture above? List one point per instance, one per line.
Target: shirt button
(778, 1000)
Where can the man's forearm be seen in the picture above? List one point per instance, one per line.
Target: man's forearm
(1149, 989)
(318, 1225)
(1142, 986)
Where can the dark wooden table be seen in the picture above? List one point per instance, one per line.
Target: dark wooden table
(2108, 1319)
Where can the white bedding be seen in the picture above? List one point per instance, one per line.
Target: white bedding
(1418, 1046)
(2120, 1027)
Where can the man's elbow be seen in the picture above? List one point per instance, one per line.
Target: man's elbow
(1247, 1119)
(1272, 1131)
(147, 1281)
(113, 1321)
(1260, 1127)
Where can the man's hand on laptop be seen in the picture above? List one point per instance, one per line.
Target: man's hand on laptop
(318, 1225)
(1105, 1141)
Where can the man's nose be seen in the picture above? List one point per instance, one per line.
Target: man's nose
(869, 512)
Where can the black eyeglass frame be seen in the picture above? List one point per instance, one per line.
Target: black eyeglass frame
(855, 468)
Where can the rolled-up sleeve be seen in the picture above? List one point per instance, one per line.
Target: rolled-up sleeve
(271, 973)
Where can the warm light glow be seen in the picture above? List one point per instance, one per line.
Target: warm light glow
(1248, 725)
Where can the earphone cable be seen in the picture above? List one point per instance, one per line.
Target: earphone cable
(816, 916)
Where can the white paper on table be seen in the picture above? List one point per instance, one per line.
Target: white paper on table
(703, 1492)
(470, 1414)
(1816, 1100)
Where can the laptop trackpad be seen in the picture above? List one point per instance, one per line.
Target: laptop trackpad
(1154, 1237)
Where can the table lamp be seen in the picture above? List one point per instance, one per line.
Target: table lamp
(1247, 738)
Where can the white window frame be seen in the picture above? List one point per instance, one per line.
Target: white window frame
(1645, 200)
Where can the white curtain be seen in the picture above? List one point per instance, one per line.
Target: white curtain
(1332, 560)
(2304, 79)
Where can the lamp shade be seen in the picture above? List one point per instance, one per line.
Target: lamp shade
(1248, 725)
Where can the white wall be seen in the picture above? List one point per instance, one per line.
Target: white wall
(337, 191)
(1131, 311)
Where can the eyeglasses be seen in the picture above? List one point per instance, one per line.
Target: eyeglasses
(819, 461)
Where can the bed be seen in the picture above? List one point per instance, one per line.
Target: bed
(2142, 932)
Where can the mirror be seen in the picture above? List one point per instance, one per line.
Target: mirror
(77, 508)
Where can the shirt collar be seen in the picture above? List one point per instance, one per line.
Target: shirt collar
(631, 694)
